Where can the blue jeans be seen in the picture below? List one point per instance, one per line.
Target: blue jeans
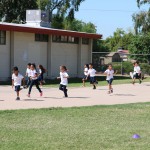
(36, 83)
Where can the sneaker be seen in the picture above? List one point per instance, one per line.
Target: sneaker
(111, 90)
(28, 95)
(94, 87)
(18, 98)
(41, 94)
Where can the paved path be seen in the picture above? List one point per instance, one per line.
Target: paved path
(52, 97)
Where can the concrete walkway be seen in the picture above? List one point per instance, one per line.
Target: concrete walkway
(52, 97)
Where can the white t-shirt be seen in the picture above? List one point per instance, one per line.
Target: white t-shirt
(85, 71)
(33, 74)
(28, 72)
(137, 69)
(91, 72)
(109, 74)
(64, 80)
(40, 71)
(17, 79)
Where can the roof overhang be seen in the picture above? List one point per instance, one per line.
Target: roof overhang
(42, 30)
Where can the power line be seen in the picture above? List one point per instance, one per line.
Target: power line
(108, 10)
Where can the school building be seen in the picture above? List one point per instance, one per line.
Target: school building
(21, 44)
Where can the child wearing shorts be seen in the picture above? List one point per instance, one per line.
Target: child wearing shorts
(17, 79)
(109, 78)
(86, 68)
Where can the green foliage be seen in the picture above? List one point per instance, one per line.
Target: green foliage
(16, 9)
(119, 39)
(140, 44)
(62, 7)
(145, 68)
(126, 67)
(142, 19)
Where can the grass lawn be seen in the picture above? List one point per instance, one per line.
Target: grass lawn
(85, 128)
(77, 82)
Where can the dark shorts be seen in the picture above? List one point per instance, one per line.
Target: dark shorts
(110, 81)
(137, 76)
(92, 80)
(85, 77)
(17, 88)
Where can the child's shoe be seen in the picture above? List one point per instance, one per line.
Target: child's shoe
(18, 98)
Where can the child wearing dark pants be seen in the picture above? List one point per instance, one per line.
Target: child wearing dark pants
(36, 83)
(34, 80)
(64, 89)
(64, 80)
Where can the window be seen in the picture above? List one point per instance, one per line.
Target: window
(41, 37)
(65, 39)
(85, 41)
(2, 37)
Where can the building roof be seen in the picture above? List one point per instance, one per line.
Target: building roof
(43, 30)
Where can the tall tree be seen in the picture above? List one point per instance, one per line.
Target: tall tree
(142, 19)
(60, 6)
(16, 9)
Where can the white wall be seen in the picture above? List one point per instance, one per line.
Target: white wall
(5, 58)
(26, 50)
(85, 55)
(64, 54)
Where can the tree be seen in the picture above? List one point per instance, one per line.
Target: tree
(119, 39)
(16, 9)
(61, 6)
(142, 19)
(140, 45)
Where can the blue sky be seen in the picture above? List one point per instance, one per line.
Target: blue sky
(108, 15)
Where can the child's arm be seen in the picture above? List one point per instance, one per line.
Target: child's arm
(58, 77)
(12, 83)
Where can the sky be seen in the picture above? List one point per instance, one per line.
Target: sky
(108, 15)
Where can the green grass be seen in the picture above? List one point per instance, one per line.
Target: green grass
(77, 82)
(85, 128)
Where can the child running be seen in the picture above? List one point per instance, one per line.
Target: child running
(17, 79)
(109, 78)
(34, 80)
(86, 68)
(28, 74)
(137, 72)
(42, 70)
(64, 80)
(91, 74)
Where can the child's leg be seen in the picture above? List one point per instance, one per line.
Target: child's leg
(65, 90)
(37, 86)
(28, 82)
(31, 85)
(61, 87)
(83, 80)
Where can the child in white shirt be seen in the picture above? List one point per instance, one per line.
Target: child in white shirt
(17, 79)
(91, 73)
(86, 68)
(28, 74)
(137, 72)
(109, 78)
(64, 80)
(34, 80)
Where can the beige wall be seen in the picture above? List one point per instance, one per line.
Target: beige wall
(51, 55)
(5, 58)
(26, 50)
(64, 54)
